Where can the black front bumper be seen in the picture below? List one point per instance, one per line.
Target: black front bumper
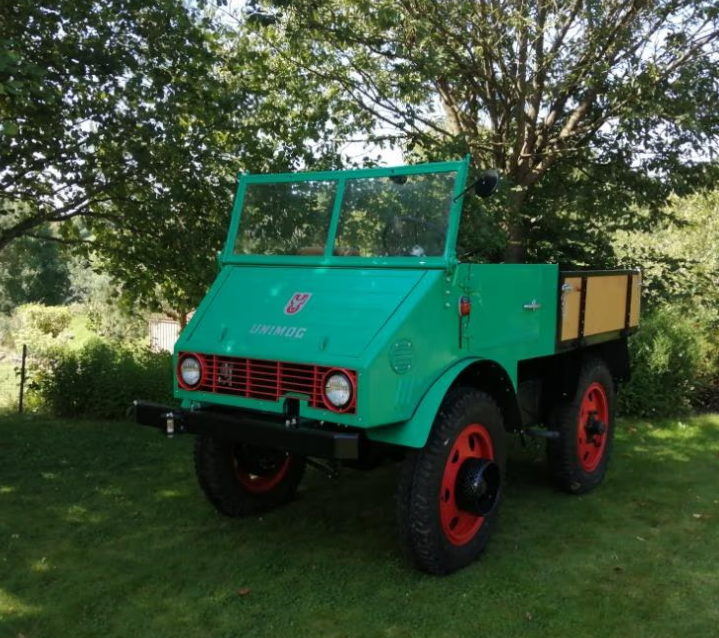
(254, 428)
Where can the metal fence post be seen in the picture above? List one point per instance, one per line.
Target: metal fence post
(22, 378)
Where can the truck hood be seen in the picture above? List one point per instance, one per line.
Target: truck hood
(296, 314)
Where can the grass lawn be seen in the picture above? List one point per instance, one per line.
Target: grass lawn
(80, 331)
(8, 385)
(103, 532)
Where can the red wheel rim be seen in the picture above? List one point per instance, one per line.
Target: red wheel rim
(593, 413)
(459, 526)
(262, 483)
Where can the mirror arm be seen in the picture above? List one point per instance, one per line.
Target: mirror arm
(489, 180)
(466, 190)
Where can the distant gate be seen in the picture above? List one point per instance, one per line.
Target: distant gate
(163, 334)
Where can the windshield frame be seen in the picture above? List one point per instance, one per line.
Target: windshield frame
(449, 256)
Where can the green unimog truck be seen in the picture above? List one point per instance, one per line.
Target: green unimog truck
(344, 327)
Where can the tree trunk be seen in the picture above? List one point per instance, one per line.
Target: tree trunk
(516, 250)
(182, 318)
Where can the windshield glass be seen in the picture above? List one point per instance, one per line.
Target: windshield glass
(399, 215)
(404, 215)
(286, 218)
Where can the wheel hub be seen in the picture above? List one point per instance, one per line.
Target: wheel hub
(478, 486)
(259, 469)
(594, 427)
(258, 461)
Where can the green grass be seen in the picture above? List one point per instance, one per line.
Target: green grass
(8, 385)
(104, 533)
(80, 331)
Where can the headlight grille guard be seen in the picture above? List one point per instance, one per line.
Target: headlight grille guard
(267, 380)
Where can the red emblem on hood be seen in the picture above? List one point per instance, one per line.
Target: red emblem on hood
(297, 302)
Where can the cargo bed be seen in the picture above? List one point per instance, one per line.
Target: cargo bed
(597, 306)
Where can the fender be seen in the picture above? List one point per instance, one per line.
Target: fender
(415, 431)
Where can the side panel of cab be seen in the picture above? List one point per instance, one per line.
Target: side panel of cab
(514, 312)
(417, 343)
(513, 317)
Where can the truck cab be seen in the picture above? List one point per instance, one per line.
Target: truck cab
(344, 326)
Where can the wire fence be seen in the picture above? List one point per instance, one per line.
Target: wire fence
(13, 378)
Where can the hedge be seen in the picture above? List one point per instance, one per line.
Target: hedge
(100, 380)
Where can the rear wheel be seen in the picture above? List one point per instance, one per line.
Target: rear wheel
(450, 490)
(243, 479)
(580, 456)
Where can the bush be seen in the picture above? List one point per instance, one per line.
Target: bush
(101, 380)
(41, 328)
(47, 320)
(672, 364)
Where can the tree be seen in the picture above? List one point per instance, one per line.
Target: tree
(528, 86)
(124, 124)
(32, 271)
(681, 257)
(73, 74)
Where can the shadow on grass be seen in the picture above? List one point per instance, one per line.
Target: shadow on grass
(104, 532)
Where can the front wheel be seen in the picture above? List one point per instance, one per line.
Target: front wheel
(579, 458)
(450, 490)
(243, 479)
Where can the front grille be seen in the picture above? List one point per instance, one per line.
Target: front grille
(269, 380)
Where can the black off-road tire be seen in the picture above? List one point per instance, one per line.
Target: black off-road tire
(422, 533)
(570, 473)
(219, 466)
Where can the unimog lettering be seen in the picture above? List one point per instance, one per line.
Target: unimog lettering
(423, 354)
(278, 331)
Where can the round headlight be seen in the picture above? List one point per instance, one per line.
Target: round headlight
(190, 371)
(338, 390)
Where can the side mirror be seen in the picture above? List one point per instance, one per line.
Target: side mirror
(487, 183)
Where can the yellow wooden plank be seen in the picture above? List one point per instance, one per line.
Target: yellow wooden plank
(605, 304)
(635, 306)
(570, 300)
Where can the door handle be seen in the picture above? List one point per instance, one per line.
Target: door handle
(532, 306)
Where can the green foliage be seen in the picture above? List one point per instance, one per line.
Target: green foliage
(32, 271)
(573, 216)
(42, 328)
(673, 363)
(680, 264)
(127, 121)
(524, 87)
(101, 380)
(110, 314)
(680, 259)
(115, 322)
(46, 320)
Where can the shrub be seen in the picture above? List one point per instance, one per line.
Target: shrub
(41, 328)
(671, 364)
(47, 320)
(101, 380)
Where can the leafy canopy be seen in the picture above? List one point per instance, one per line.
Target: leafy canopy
(625, 86)
(124, 123)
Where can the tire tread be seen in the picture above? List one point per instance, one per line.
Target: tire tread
(419, 527)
